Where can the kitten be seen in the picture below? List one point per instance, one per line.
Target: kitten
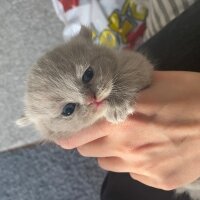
(78, 83)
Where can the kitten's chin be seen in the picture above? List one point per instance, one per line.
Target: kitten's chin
(99, 111)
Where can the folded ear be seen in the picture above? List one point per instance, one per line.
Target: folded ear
(23, 121)
(85, 32)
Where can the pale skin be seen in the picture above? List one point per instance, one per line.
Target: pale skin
(160, 144)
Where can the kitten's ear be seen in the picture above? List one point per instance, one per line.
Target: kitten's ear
(23, 121)
(85, 32)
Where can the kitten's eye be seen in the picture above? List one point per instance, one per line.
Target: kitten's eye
(88, 75)
(68, 109)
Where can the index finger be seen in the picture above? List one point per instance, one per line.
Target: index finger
(95, 131)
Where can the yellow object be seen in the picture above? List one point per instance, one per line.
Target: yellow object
(119, 26)
(138, 14)
(108, 38)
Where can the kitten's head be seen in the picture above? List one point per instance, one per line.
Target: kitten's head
(67, 88)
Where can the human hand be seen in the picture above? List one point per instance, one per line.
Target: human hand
(159, 144)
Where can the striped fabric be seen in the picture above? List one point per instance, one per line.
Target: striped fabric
(161, 12)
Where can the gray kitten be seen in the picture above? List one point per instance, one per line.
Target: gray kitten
(78, 83)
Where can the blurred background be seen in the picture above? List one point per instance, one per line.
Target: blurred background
(30, 169)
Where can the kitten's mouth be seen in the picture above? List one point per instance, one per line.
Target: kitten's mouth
(97, 103)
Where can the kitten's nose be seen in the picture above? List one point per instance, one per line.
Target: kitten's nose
(91, 99)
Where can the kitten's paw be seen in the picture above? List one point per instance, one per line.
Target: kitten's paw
(119, 114)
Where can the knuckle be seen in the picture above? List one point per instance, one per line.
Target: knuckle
(129, 148)
(144, 166)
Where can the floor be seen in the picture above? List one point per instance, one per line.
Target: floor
(28, 29)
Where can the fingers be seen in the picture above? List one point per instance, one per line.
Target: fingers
(113, 164)
(97, 130)
(153, 97)
(101, 147)
(116, 164)
(146, 97)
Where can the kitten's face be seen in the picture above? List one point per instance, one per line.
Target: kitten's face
(68, 87)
